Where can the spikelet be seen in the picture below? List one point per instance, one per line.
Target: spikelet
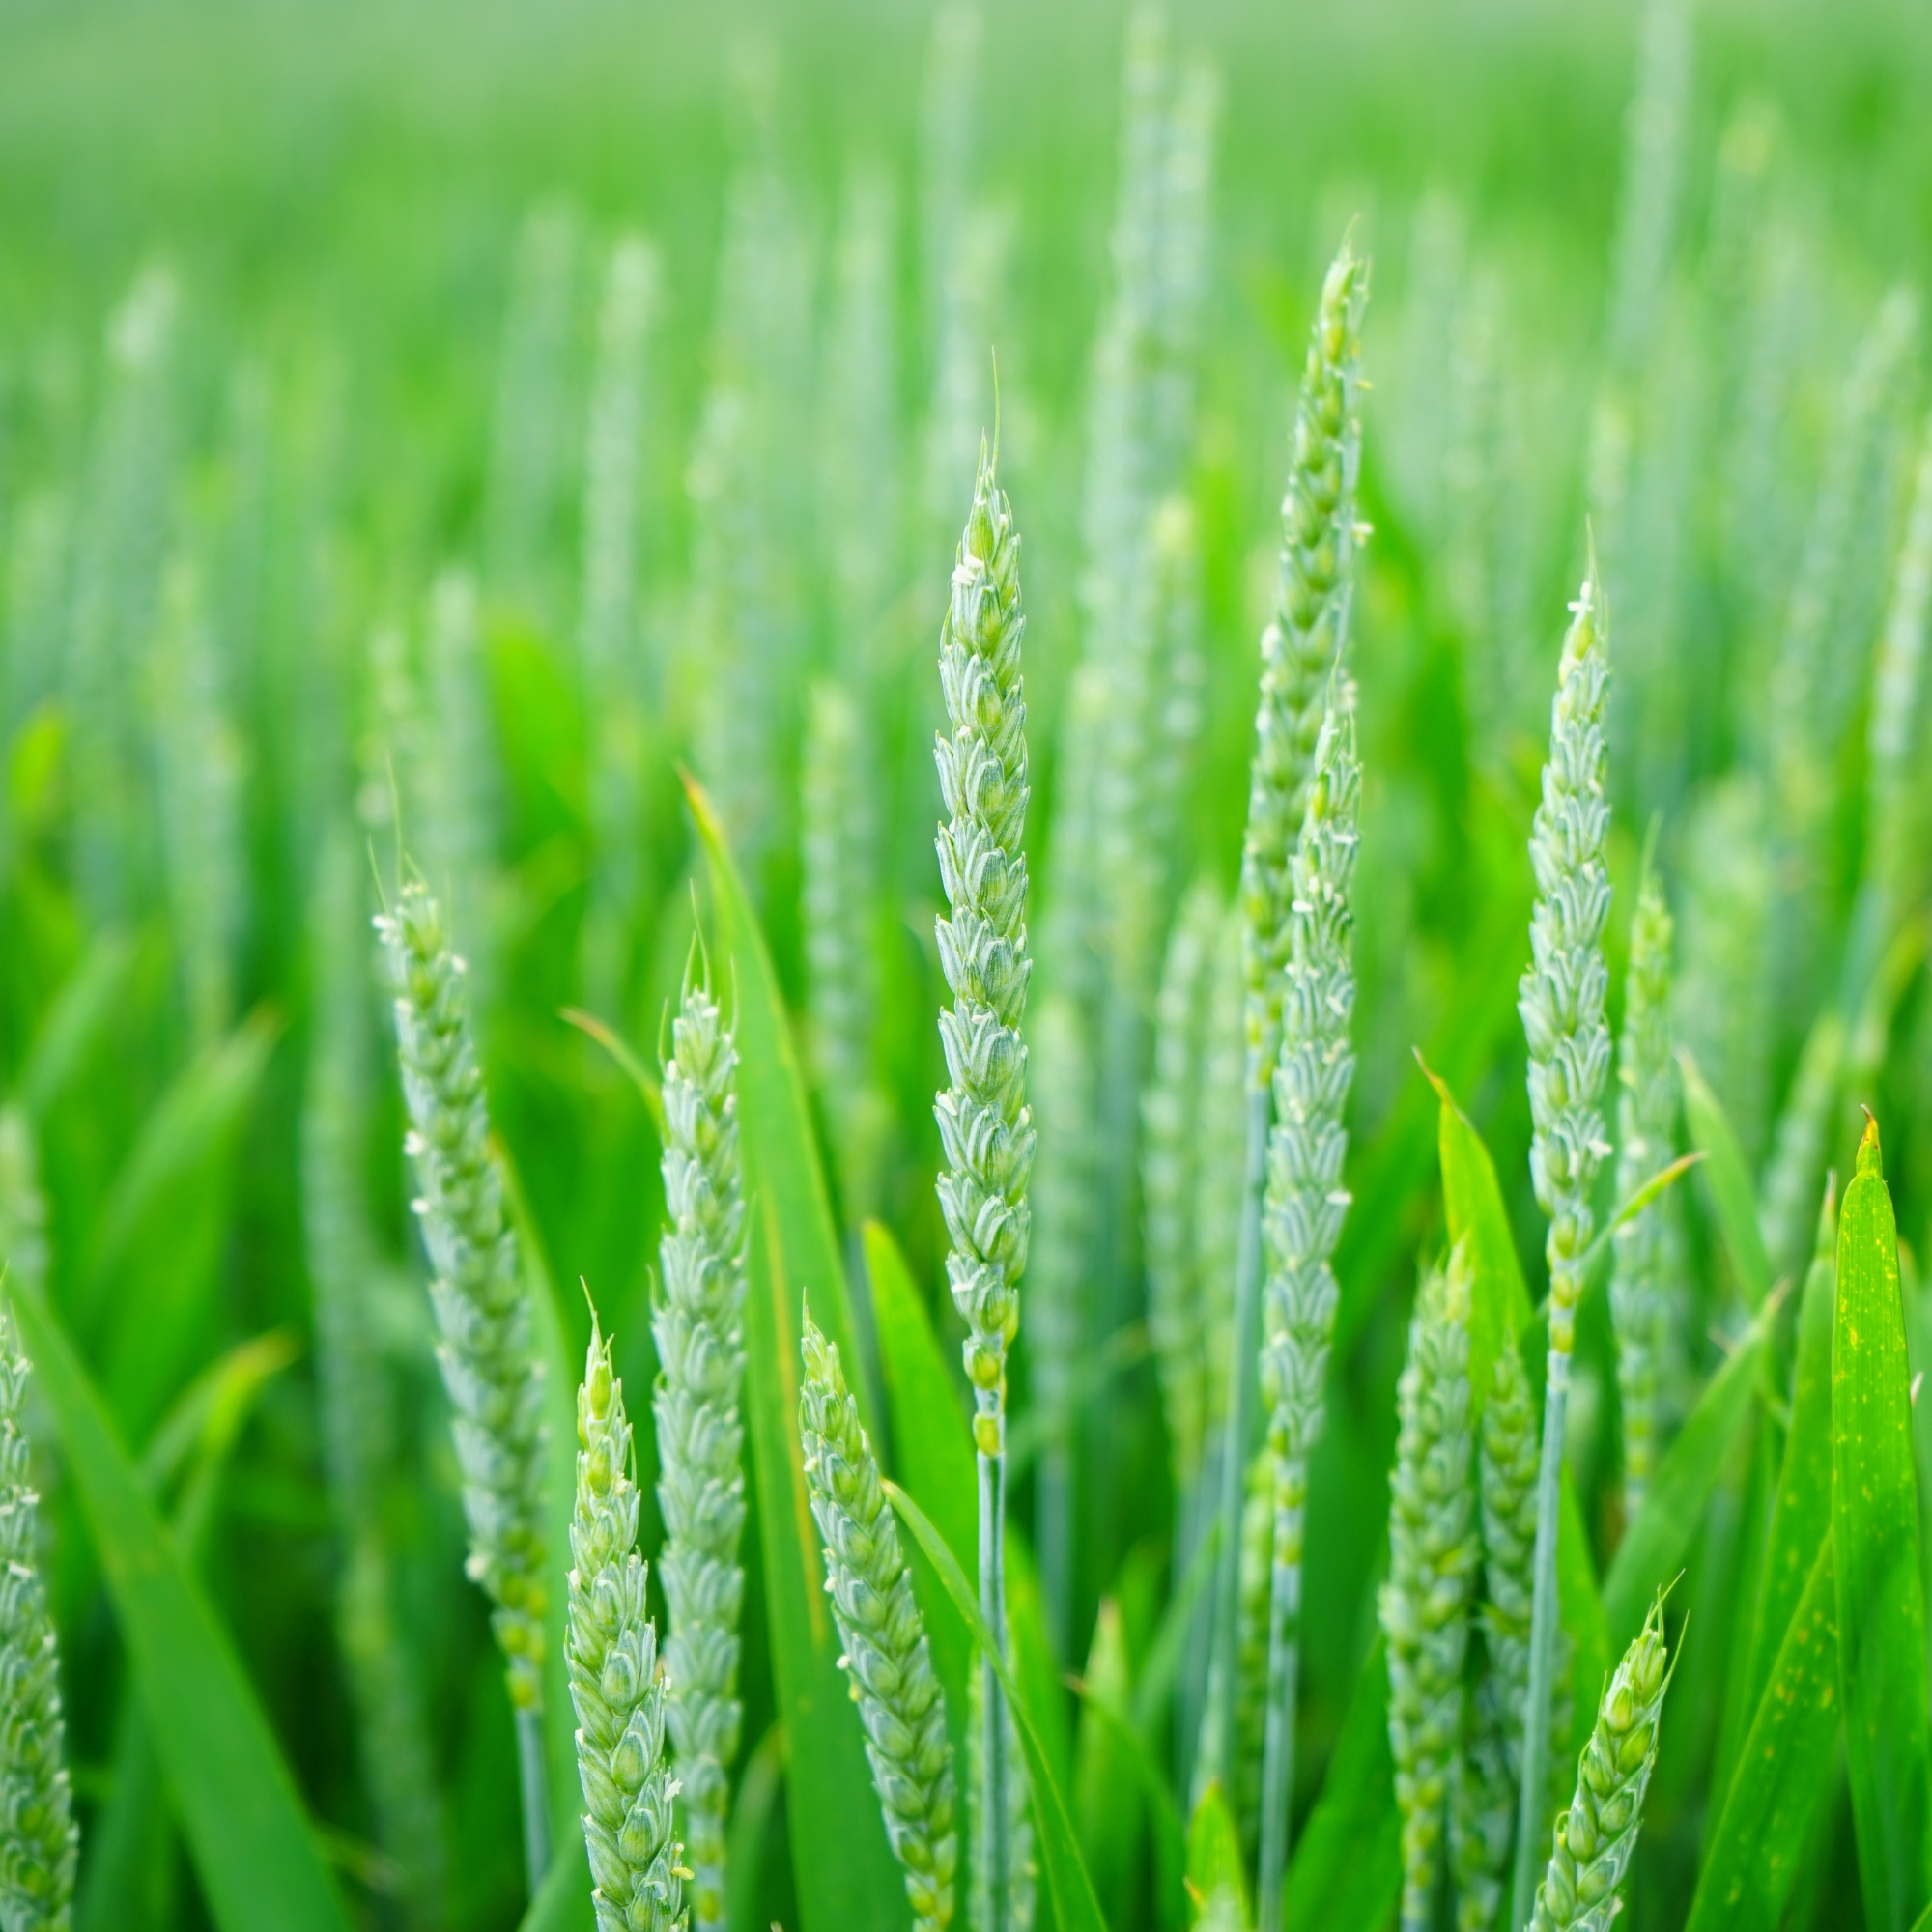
(1646, 1118)
(493, 1376)
(1433, 1556)
(1595, 1837)
(615, 1684)
(983, 1122)
(839, 855)
(39, 1843)
(885, 1653)
(698, 1322)
(1482, 1809)
(1305, 638)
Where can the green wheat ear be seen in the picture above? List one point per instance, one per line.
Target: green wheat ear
(615, 1684)
(39, 1843)
(699, 1324)
(886, 1655)
(1433, 1557)
(1595, 1837)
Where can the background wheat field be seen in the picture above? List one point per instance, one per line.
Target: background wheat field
(481, 506)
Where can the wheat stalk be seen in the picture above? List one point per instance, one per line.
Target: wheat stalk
(39, 1843)
(983, 1123)
(1302, 644)
(886, 1652)
(1561, 1000)
(1301, 1221)
(617, 1686)
(490, 1370)
(697, 1321)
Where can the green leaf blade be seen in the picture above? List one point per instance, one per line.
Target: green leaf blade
(794, 1250)
(1875, 1538)
(252, 1845)
(1727, 1179)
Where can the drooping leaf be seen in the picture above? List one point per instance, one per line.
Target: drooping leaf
(253, 1848)
(1074, 1906)
(1802, 1514)
(1654, 1544)
(1499, 1314)
(794, 1250)
(1347, 1867)
(1875, 1551)
(1216, 1883)
(162, 1232)
(1727, 1179)
(1784, 1773)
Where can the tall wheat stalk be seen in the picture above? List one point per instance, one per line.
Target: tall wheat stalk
(1561, 1000)
(985, 1126)
(1300, 650)
(490, 1368)
(1301, 1221)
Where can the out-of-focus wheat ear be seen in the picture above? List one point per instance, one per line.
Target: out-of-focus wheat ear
(1646, 1124)
(1432, 1561)
(40, 1842)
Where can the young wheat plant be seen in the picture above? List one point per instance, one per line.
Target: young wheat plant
(40, 1842)
(698, 1323)
(615, 1684)
(490, 1370)
(885, 1653)
(984, 1123)
(1561, 1001)
(1300, 648)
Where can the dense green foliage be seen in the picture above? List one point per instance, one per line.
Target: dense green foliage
(431, 436)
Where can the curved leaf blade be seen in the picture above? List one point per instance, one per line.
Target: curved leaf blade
(1728, 1177)
(1875, 1542)
(252, 1844)
(794, 1249)
(1075, 1908)
(1784, 1774)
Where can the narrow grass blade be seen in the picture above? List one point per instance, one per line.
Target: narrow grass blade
(253, 1848)
(1217, 1884)
(1347, 1869)
(1170, 1835)
(1074, 1906)
(1802, 1513)
(1784, 1773)
(1728, 1177)
(1654, 1544)
(1875, 1545)
(794, 1248)
(562, 1903)
(81, 1008)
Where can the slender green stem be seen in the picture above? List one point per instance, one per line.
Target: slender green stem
(1284, 1679)
(996, 1852)
(1533, 1802)
(1217, 1747)
(533, 1786)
